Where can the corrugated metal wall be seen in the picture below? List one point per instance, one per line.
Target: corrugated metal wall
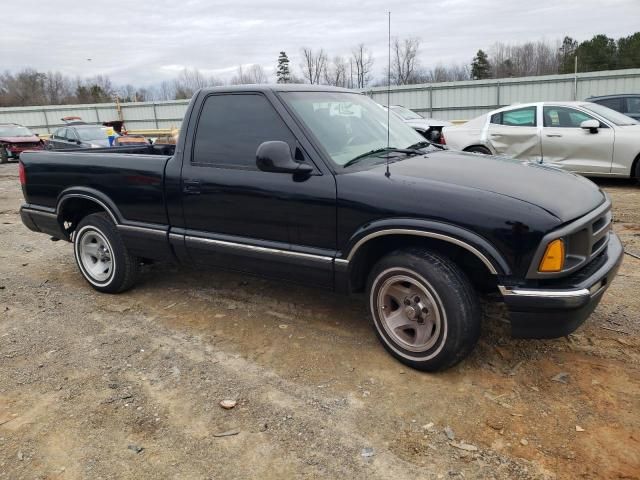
(465, 100)
(448, 101)
(140, 115)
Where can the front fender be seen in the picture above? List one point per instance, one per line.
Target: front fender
(453, 234)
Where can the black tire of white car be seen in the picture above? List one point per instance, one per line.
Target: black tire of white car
(101, 255)
(424, 310)
(4, 155)
(479, 149)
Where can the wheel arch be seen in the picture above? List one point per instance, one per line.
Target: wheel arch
(635, 168)
(478, 145)
(75, 204)
(474, 254)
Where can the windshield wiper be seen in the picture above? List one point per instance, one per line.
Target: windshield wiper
(408, 151)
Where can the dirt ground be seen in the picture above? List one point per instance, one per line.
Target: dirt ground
(99, 386)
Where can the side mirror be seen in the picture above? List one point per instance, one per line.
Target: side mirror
(591, 125)
(275, 156)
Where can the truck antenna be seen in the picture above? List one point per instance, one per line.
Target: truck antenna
(388, 173)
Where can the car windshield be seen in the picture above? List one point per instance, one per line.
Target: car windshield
(92, 133)
(618, 118)
(14, 131)
(349, 125)
(405, 113)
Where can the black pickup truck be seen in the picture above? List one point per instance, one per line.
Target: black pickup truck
(313, 185)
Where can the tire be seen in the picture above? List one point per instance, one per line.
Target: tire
(101, 255)
(4, 155)
(478, 149)
(433, 299)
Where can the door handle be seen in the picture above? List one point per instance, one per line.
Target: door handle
(191, 187)
(555, 135)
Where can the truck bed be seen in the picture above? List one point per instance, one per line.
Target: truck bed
(132, 181)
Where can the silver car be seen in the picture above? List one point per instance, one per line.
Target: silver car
(581, 137)
(430, 128)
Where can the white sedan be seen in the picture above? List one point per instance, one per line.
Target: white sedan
(581, 137)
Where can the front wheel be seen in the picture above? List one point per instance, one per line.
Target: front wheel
(425, 311)
(101, 255)
(479, 149)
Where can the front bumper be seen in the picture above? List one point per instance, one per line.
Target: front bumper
(15, 151)
(555, 312)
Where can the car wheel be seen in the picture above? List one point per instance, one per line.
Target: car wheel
(101, 255)
(4, 155)
(424, 310)
(479, 149)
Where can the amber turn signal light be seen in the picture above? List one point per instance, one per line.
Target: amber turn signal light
(553, 258)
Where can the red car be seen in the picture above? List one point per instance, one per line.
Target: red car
(14, 139)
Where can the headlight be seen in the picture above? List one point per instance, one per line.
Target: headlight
(553, 258)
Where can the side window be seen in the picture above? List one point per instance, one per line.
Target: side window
(231, 127)
(60, 134)
(71, 135)
(520, 117)
(633, 105)
(612, 103)
(564, 117)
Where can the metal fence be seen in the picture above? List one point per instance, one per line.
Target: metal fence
(466, 100)
(448, 101)
(136, 115)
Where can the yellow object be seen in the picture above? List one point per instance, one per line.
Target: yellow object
(110, 132)
(553, 258)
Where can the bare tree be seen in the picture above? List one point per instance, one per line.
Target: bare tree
(527, 59)
(363, 62)
(404, 62)
(335, 72)
(314, 65)
(251, 75)
(190, 81)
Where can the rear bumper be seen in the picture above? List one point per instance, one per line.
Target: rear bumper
(555, 312)
(42, 221)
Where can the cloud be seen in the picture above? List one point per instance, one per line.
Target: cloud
(145, 42)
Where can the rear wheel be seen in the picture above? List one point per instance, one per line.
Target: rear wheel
(101, 255)
(479, 149)
(424, 309)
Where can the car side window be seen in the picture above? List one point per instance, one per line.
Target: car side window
(564, 117)
(612, 103)
(71, 135)
(231, 127)
(520, 117)
(633, 105)
(60, 134)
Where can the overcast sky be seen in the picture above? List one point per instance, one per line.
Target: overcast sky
(144, 42)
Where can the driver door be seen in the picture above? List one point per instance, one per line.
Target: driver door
(566, 145)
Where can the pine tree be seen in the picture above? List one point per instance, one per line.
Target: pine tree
(480, 67)
(283, 74)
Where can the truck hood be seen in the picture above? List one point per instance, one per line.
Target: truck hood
(565, 195)
(427, 123)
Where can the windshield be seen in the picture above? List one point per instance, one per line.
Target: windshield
(14, 131)
(349, 124)
(405, 113)
(92, 133)
(608, 114)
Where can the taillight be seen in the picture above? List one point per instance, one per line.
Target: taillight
(22, 174)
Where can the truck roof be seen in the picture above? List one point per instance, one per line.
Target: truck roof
(277, 87)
